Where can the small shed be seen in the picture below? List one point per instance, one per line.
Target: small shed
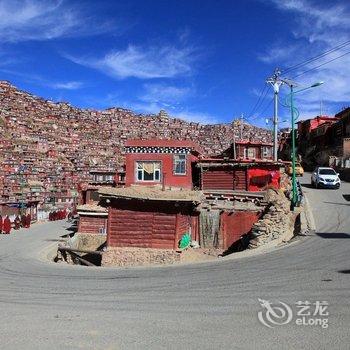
(148, 217)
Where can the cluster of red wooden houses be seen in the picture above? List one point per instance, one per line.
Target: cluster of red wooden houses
(164, 189)
(321, 137)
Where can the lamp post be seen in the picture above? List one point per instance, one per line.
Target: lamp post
(294, 185)
(294, 115)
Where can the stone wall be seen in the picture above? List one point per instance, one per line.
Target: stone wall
(276, 222)
(139, 257)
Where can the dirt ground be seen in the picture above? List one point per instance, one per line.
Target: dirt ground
(199, 254)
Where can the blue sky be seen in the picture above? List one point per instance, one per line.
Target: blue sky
(204, 61)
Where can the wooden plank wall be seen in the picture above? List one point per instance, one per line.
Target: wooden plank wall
(163, 234)
(219, 179)
(91, 224)
(132, 228)
(240, 180)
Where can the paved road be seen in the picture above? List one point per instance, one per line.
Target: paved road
(54, 306)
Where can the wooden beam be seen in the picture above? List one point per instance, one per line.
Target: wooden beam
(67, 249)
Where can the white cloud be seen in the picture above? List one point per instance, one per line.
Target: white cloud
(279, 53)
(316, 29)
(39, 80)
(185, 114)
(162, 93)
(143, 62)
(45, 20)
(156, 97)
(69, 85)
(197, 117)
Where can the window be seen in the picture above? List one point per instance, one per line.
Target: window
(245, 153)
(266, 152)
(148, 171)
(249, 152)
(180, 164)
(327, 172)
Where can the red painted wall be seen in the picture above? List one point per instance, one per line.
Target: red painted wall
(234, 225)
(184, 181)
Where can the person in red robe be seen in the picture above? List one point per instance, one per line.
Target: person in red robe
(1, 224)
(7, 225)
(23, 220)
(17, 223)
(28, 220)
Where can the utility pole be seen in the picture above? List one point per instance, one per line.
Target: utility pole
(275, 82)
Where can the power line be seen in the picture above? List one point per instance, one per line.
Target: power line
(263, 111)
(322, 64)
(260, 100)
(268, 105)
(323, 54)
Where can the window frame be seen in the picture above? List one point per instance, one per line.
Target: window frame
(266, 152)
(175, 162)
(148, 161)
(248, 150)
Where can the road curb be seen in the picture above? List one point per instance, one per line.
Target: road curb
(307, 218)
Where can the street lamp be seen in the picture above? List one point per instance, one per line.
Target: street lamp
(294, 116)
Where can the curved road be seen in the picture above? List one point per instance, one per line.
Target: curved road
(212, 305)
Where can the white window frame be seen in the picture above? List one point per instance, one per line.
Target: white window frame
(175, 162)
(157, 170)
(247, 150)
(245, 155)
(266, 152)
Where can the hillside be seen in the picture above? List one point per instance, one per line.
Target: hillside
(58, 144)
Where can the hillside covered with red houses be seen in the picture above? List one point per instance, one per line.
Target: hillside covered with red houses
(47, 148)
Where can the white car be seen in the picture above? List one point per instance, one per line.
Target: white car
(325, 177)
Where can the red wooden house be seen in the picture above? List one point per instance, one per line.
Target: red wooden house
(251, 150)
(160, 162)
(148, 217)
(306, 126)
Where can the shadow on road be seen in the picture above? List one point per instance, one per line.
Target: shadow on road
(337, 203)
(333, 235)
(344, 271)
(307, 185)
(55, 240)
(346, 197)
